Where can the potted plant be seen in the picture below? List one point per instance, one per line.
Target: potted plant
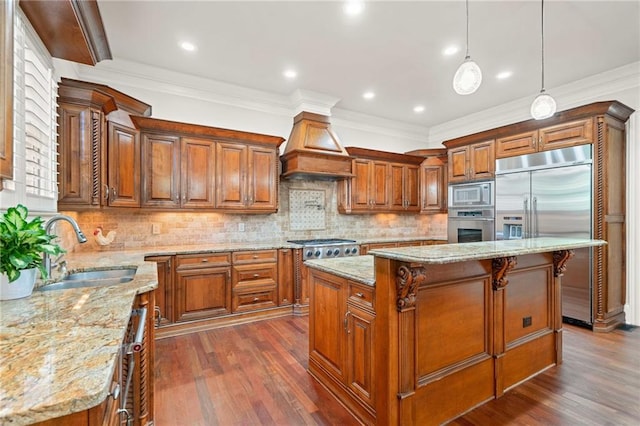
(22, 243)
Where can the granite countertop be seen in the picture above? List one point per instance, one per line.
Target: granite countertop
(399, 239)
(355, 268)
(58, 348)
(451, 253)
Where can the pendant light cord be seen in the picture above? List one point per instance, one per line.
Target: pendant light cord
(542, 38)
(467, 53)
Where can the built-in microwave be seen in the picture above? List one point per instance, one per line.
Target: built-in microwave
(471, 194)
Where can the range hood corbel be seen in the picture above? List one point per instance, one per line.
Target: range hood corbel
(313, 150)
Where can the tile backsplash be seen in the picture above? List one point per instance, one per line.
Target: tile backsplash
(137, 229)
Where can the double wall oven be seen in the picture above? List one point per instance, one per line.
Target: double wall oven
(471, 212)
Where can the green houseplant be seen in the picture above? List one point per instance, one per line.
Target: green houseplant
(22, 243)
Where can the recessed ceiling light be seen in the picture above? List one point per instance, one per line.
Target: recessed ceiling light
(290, 74)
(353, 7)
(451, 50)
(503, 75)
(368, 95)
(418, 108)
(189, 47)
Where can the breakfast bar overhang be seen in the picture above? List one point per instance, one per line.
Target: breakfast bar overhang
(450, 326)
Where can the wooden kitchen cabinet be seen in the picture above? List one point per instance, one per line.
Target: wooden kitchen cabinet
(178, 172)
(405, 187)
(98, 147)
(254, 280)
(163, 311)
(562, 135)
(202, 286)
(7, 9)
(472, 162)
(342, 339)
(285, 277)
(123, 166)
(382, 182)
(433, 180)
(246, 177)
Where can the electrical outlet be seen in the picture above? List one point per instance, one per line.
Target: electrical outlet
(241, 227)
(155, 228)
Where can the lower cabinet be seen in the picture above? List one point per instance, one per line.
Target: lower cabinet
(342, 339)
(203, 286)
(254, 280)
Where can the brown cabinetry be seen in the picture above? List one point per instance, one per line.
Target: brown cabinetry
(285, 277)
(433, 180)
(203, 286)
(163, 310)
(563, 135)
(6, 90)
(342, 339)
(254, 284)
(177, 172)
(382, 182)
(471, 162)
(98, 147)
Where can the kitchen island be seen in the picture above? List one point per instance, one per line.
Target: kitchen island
(436, 330)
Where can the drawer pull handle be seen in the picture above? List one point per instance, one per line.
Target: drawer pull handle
(255, 299)
(204, 260)
(255, 256)
(256, 275)
(361, 295)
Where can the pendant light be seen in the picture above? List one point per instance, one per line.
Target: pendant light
(543, 106)
(468, 77)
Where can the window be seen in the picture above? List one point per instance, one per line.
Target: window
(34, 127)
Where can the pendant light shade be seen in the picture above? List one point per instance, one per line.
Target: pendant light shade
(468, 77)
(543, 106)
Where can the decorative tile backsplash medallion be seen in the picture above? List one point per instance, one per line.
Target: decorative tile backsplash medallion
(306, 209)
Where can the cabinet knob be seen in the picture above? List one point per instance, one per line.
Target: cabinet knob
(360, 295)
(255, 256)
(256, 275)
(255, 299)
(106, 191)
(205, 260)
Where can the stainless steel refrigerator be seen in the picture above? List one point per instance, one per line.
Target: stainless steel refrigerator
(550, 194)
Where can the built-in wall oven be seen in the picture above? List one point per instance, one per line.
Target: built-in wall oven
(471, 212)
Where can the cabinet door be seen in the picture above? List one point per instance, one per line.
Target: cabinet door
(262, 178)
(482, 158)
(327, 323)
(6, 90)
(161, 171)
(198, 176)
(396, 199)
(123, 166)
(433, 189)
(412, 188)
(520, 144)
(564, 135)
(360, 184)
(285, 277)
(458, 164)
(231, 174)
(164, 292)
(360, 353)
(79, 143)
(202, 293)
(380, 198)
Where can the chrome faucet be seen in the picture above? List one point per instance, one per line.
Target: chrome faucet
(48, 226)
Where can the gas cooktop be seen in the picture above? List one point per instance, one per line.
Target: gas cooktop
(321, 241)
(320, 248)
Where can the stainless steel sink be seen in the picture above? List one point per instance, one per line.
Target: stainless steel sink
(100, 277)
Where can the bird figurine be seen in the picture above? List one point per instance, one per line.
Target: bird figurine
(101, 239)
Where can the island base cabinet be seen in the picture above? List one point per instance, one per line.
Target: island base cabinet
(341, 342)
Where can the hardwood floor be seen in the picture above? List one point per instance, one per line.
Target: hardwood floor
(255, 374)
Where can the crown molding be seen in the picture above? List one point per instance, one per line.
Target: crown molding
(382, 126)
(598, 87)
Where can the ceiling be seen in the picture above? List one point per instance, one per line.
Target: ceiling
(392, 48)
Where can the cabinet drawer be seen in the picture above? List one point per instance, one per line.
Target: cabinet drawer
(203, 260)
(361, 295)
(264, 271)
(255, 256)
(253, 299)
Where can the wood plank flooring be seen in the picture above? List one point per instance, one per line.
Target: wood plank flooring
(255, 374)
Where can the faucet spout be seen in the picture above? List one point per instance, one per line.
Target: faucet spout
(49, 225)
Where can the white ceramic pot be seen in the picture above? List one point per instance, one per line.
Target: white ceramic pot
(22, 287)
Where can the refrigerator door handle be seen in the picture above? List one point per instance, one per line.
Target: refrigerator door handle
(527, 220)
(536, 231)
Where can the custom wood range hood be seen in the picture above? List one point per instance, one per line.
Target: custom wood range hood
(314, 151)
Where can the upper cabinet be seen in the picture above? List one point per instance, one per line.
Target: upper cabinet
(198, 167)
(382, 182)
(472, 162)
(433, 180)
(563, 135)
(98, 147)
